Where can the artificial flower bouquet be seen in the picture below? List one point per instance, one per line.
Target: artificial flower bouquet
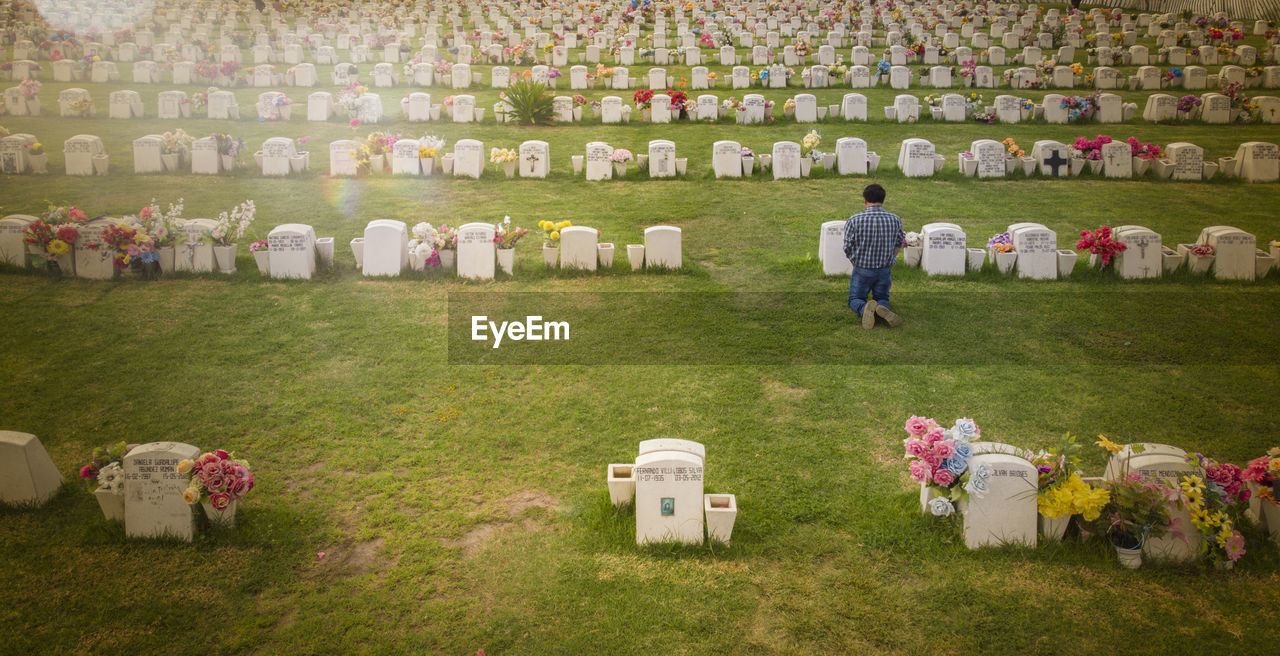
(105, 468)
(551, 232)
(1101, 244)
(505, 236)
(939, 461)
(217, 479)
(1217, 504)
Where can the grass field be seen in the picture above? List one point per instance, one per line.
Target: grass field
(463, 506)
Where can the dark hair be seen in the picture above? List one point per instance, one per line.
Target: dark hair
(874, 193)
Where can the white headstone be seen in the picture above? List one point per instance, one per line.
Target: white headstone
(27, 473)
(1234, 252)
(154, 506)
(662, 247)
(1117, 159)
(599, 165)
(1006, 512)
(468, 158)
(578, 248)
(786, 160)
(853, 107)
(535, 159)
(291, 251)
(1159, 461)
(916, 158)
(1037, 248)
(944, 249)
(1142, 257)
(476, 251)
(146, 154)
(851, 156)
(1258, 161)
(1187, 159)
(991, 158)
(662, 158)
(831, 249)
(386, 248)
(13, 250)
(404, 157)
(726, 159)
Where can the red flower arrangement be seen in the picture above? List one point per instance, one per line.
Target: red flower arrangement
(1099, 242)
(643, 98)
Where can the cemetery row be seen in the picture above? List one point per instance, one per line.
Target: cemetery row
(1035, 74)
(358, 106)
(1153, 499)
(156, 241)
(85, 155)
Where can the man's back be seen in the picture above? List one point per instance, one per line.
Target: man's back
(872, 236)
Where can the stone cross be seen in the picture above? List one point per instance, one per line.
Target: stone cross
(1054, 162)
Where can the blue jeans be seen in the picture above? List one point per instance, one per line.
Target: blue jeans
(862, 280)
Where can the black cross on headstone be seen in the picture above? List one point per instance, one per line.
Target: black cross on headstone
(1054, 162)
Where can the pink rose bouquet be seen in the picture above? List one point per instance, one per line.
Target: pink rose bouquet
(216, 478)
(939, 458)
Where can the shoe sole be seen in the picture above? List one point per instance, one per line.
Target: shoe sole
(888, 315)
(869, 315)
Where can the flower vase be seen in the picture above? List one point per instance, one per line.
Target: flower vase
(1077, 165)
(377, 163)
(170, 161)
(1005, 261)
(100, 164)
(357, 251)
(969, 166)
(298, 162)
(428, 165)
(1140, 166)
(507, 260)
(228, 162)
(167, 257)
(748, 165)
(911, 255)
(185, 109)
(263, 259)
(447, 164)
(1028, 165)
(645, 114)
(550, 256)
(1128, 550)
(577, 113)
(577, 164)
(112, 504)
(509, 168)
(447, 258)
(620, 169)
(257, 158)
(682, 165)
(225, 518)
(225, 256)
(605, 254)
(1010, 165)
(1053, 528)
(635, 255)
(39, 163)
(1095, 166)
(33, 106)
(873, 162)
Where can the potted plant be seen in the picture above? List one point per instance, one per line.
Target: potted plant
(38, 158)
(1138, 508)
(505, 157)
(261, 256)
(106, 469)
(1217, 504)
(227, 233)
(620, 157)
(506, 237)
(217, 482)
(1101, 246)
(551, 241)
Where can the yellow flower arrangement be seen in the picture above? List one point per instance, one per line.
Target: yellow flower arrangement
(58, 247)
(425, 152)
(1108, 444)
(551, 231)
(1073, 497)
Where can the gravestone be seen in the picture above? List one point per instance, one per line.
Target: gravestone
(859, 77)
(907, 108)
(662, 158)
(27, 473)
(726, 159)
(578, 248)
(1110, 108)
(369, 108)
(953, 107)
(146, 154)
(1006, 512)
(1258, 161)
(204, 156)
(1216, 108)
(276, 153)
(708, 108)
(13, 250)
(598, 163)
(79, 151)
(991, 158)
(669, 492)
(851, 156)
(786, 160)
(535, 159)
(944, 249)
(1160, 461)
(1052, 158)
(419, 107)
(291, 251)
(806, 108)
(754, 106)
(342, 157)
(386, 248)
(1142, 257)
(853, 107)
(320, 106)
(170, 104)
(404, 158)
(916, 158)
(1187, 159)
(831, 249)
(1037, 248)
(195, 253)
(660, 108)
(1117, 160)
(1234, 252)
(476, 251)
(662, 248)
(154, 506)
(1008, 109)
(468, 158)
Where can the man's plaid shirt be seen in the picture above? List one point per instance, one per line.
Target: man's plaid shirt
(871, 237)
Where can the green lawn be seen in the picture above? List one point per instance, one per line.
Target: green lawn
(463, 506)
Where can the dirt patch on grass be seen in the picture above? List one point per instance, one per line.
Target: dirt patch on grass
(515, 506)
(778, 391)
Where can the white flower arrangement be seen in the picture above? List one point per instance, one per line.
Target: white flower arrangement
(230, 227)
(111, 478)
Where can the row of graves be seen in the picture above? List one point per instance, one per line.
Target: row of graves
(157, 490)
(936, 35)
(1005, 495)
(1030, 250)
(672, 106)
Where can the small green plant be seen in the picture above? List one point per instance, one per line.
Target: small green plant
(529, 102)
